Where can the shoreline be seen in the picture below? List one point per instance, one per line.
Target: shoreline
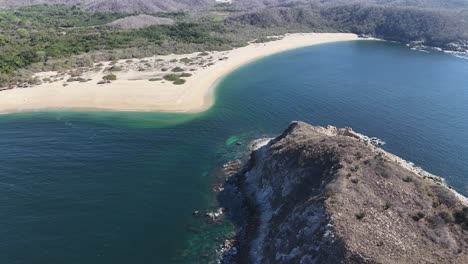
(132, 91)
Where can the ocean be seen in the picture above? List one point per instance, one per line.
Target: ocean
(120, 187)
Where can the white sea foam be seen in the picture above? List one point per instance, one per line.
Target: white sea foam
(427, 49)
(461, 55)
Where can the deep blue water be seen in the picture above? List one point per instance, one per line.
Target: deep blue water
(116, 187)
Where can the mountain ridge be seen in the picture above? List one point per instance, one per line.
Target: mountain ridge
(121, 6)
(153, 6)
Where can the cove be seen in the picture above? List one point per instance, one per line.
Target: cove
(120, 187)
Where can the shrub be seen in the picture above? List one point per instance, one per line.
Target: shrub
(185, 74)
(171, 77)
(154, 79)
(115, 68)
(448, 217)
(179, 81)
(407, 179)
(186, 60)
(387, 205)
(203, 54)
(174, 60)
(76, 73)
(110, 77)
(177, 69)
(360, 215)
(436, 202)
(461, 217)
(418, 216)
(76, 79)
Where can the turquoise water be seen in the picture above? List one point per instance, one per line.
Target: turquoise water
(115, 187)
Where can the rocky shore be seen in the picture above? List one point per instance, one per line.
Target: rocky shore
(329, 195)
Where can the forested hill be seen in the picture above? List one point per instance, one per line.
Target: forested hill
(152, 6)
(399, 3)
(122, 6)
(406, 3)
(57, 37)
(445, 28)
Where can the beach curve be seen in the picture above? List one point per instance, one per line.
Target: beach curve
(133, 91)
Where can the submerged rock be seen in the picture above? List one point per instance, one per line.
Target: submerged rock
(328, 195)
(228, 252)
(215, 215)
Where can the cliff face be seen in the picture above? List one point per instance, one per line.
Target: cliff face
(322, 195)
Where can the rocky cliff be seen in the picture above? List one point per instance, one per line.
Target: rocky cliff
(328, 195)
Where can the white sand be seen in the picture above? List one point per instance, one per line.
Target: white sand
(133, 92)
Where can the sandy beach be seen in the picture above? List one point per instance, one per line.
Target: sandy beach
(141, 84)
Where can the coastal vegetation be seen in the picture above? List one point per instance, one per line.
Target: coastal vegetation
(177, 69)
(176, 78)
(115, 68)
(57, 37)
(110, 77)
(171, 77)
(179, 81)
(62, 37)
(461, 217)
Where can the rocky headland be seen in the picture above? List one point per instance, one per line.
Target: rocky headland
(329, 195)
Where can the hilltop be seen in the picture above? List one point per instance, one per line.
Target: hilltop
(327, 195)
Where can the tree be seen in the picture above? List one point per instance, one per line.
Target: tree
(23, 33)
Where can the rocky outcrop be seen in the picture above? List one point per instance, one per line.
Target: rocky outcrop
(325, 195)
